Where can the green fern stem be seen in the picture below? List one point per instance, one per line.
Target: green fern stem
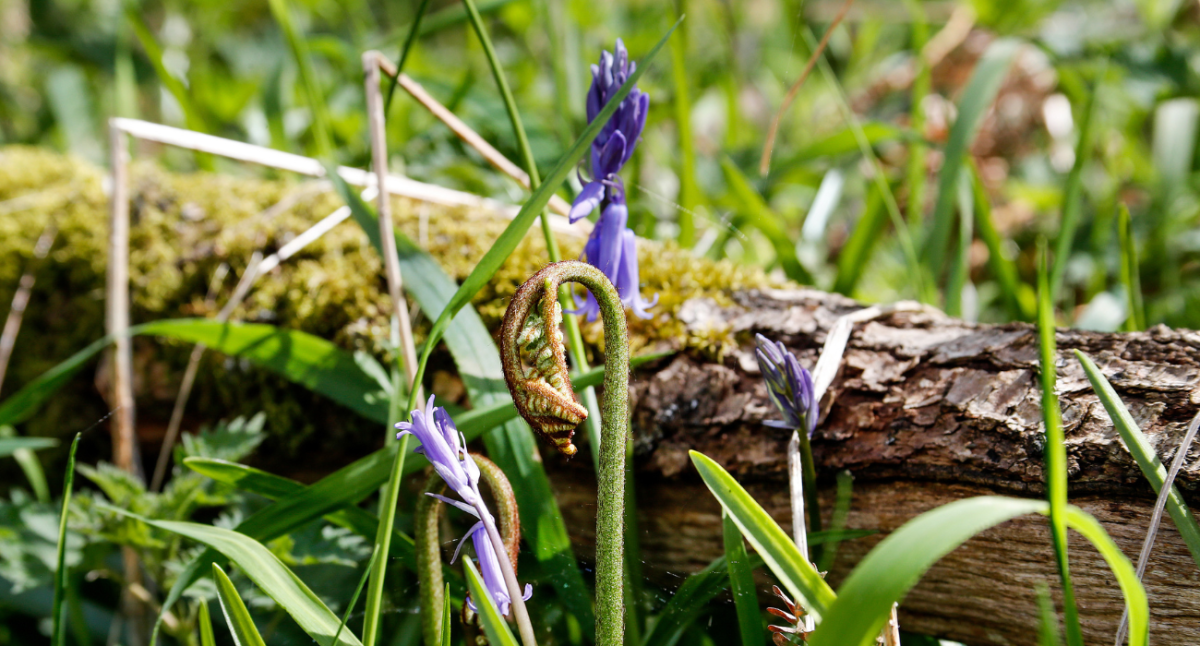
(543, 395)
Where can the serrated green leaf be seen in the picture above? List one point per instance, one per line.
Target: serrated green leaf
(237, 616)
(769, 540)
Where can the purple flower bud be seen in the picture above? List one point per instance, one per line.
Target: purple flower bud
(789, 386)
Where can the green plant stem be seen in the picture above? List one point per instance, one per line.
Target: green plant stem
(1130, 278)
(1072, 207)
(58, 636)
(308, 78)
(1055, 452)
(405, 50)
(688, 191)
(812, 498)
(383, 540)
(610, 521)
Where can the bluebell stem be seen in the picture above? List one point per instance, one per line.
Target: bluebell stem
(612, 246)
(446, 450)
(789, 385)
(790, 388)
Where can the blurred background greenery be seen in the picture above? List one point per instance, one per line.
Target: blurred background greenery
(1092, 109)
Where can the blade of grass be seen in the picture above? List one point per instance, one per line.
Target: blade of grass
(508, 240)
(856, 253)
(58, 635)
(405, 50)
(690, 599)
(191, 114)
(960, 266)
(768, 539)
(266, 571)
(237, 616)
(10, 445)
(766, 221)
(513, 447)
(896, 564)
(1144, 454)
(1055, 451)
(976, 98)
(206, 628)
(24, 403)
(447, 613)
(493, 623)
(362, 582)
(689, 192)
(741, 581)
(921, 87)
(308, 78)
(1048, 633)
(1130, 277)
(837, 523)
(1018, 298)
(1072, 205)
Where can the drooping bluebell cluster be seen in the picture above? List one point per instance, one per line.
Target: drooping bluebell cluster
(446, 450)
(789, 385)
(612, 247)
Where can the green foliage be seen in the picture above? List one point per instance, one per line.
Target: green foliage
(237, 616)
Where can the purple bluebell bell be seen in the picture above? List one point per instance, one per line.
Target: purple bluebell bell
(612, 246)
(446, 449)
(789, 385)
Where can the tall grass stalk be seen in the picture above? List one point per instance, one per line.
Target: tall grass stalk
(323, 144)
(689, 192)
(1055, 450)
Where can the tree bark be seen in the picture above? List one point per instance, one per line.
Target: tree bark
(925, 410)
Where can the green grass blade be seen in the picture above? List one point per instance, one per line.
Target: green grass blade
(508, 240)
(308, 78)
(512, 447)
(688, 602)
(842, 142)
(741, 582)
(10, 445)
(1048, 632)
(856, 253)
(1018, 297)
(237, 616)
(191, 114)
(1072, 207)
(413, 31)
(760, 216)
(206, 628)
(1135, 595)
(915, 174)
(689, 192)
(960, 265)
(362, 582)
(894, 566)
(837, 525)
(493, 623)
(59, 635)
(977, 96)
(1144, 454)
(24, 403)
(447, 613)
(303, 358)
(1055, 451)
(267, 572)
(769, 540)
(1130, 277)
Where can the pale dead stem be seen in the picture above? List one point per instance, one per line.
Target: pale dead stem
(12, 325)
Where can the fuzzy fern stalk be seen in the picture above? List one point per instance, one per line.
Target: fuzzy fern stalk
(535, 367)
(429, 544)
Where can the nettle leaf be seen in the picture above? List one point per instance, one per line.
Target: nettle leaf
(228, 440)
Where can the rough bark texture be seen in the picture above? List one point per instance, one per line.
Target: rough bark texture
(925, 410)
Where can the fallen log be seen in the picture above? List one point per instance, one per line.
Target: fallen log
(925, 410)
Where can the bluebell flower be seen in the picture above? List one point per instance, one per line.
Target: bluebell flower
(612, 248)
(446, 449)
(789, 385)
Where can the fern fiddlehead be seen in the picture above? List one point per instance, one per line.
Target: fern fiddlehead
(535, 368)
